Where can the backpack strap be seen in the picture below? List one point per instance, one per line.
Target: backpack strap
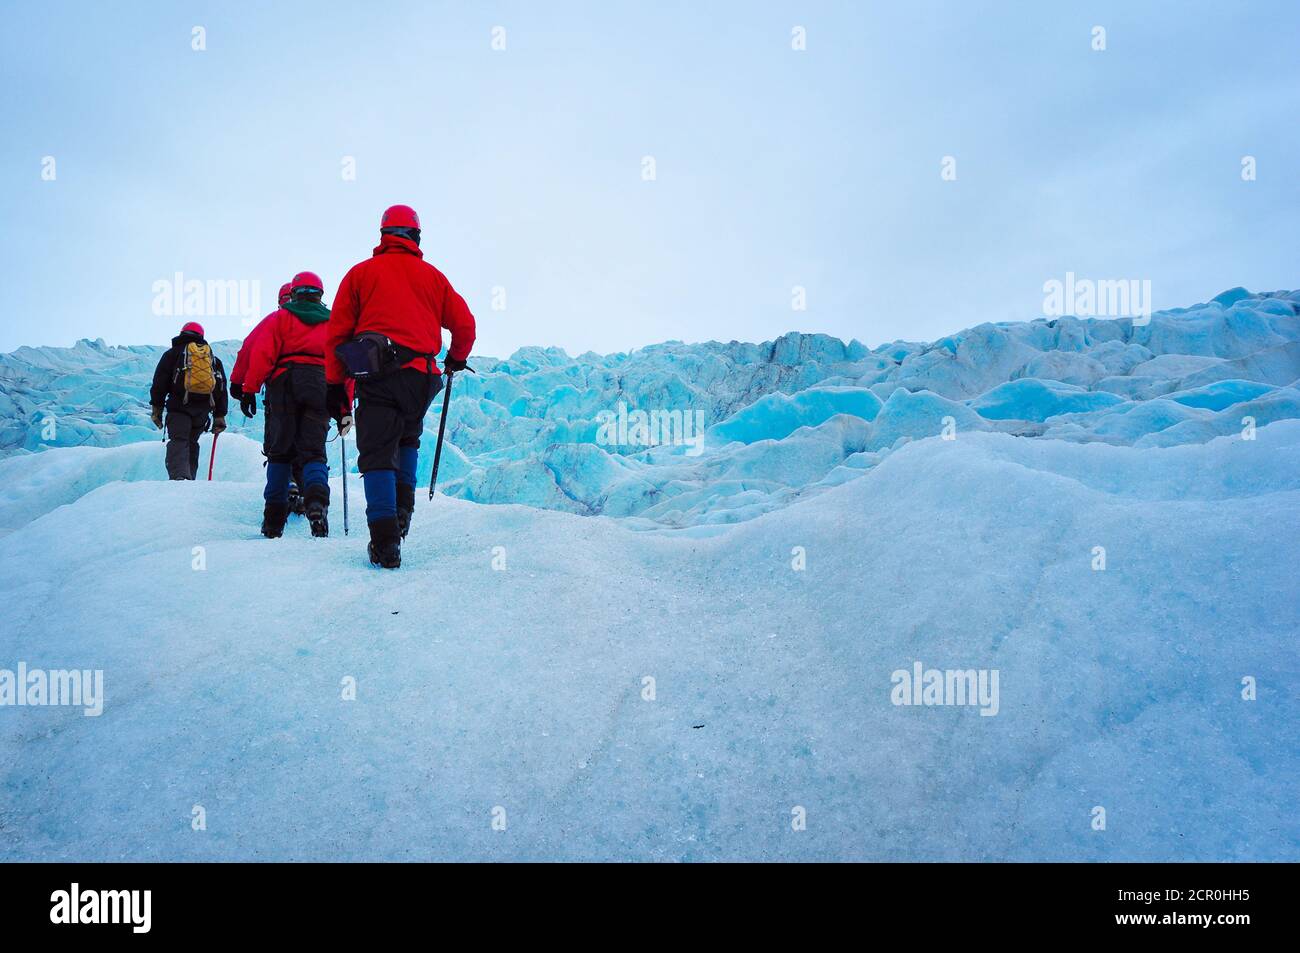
(182, 365)
(407, 354)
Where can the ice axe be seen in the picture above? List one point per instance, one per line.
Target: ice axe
(442, 427)
(343, 459)
(212, 457)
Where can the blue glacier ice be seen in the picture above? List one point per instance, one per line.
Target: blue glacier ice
(528, 429)
(1028, 398)
(1104, 514)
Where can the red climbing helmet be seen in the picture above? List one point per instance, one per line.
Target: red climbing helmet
(285, 289)
(194, 328)
(400, 216)
(306, 281)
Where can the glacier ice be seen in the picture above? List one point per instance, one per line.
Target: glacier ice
(527, 429)
(1028, 398)
(521, 685)
(851, 512)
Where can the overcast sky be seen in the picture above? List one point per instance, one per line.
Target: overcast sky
(773, 167)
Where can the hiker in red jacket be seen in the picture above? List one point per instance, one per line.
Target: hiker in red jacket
(388, 318)
(248, 401)
(287, 354)
(241, 359)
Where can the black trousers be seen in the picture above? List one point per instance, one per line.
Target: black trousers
(297, 422)
(390, 415)
(186, 423)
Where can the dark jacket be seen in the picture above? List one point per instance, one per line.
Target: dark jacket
(168, 388)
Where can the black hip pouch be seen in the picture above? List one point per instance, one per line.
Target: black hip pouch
(368, 356)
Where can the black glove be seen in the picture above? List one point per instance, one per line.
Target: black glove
(236, 391)
(336, 400)
(450, 365)
(218, 425)
(248, 404)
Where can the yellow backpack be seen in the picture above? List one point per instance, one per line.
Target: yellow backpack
(199, 370)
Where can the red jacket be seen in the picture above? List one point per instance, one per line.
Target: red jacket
(284, 339)
(241, 359)
(400, 295)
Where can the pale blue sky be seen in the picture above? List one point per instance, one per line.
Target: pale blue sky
(775, 168)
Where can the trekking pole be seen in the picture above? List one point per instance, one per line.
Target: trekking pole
(442, 426)
(343, 458)
(212, 458)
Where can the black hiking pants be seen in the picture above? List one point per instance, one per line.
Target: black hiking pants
(185, 424)
(297, 422)
(390, 415)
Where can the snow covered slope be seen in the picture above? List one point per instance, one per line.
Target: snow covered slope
(676, 651)
(519, 693)
(760, 425)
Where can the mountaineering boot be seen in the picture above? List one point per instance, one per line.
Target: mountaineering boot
(385, 543)
(405, 507)
(273, 518)
(316, 506)
(408, 461)
(297, 505)
(277, 499)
